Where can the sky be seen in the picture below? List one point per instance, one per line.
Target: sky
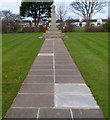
(13, 6)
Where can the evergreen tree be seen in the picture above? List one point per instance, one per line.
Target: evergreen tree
(36, 10)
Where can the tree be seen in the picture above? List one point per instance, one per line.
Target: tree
(86, 9)
(61, 14)
(36, 10)
(9, 21)
(8, 15)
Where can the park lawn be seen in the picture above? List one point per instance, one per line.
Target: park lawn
(90, 53)
(19, 52)
(0, 76)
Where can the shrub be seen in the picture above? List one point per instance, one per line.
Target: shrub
(34, 29)
(10, 26)
(68, 29)
(28, 29)
(107, 26)
(41, 28)
(79, 29)
(20, 30)
(95, 29)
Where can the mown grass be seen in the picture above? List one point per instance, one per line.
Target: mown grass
(0, 76)
(19, 52)
(90, 53)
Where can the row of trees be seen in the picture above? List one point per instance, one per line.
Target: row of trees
(42, 10)
(85, 9)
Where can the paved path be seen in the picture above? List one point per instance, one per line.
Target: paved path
(54, 88)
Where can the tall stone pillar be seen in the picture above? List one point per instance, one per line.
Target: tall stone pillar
(53, 18)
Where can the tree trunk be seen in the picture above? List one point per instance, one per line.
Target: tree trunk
(38, 21)
(35, 22)
(61, 24)
(88, 23)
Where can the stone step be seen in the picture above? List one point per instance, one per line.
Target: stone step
(53, 32)
(54, 36)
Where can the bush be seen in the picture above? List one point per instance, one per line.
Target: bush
(9, 26)
(95, 29)
(41, 28)
(34, 29)
(79, 29)
(20, 30)
(68, 29)
(28, 29)
(107, 26)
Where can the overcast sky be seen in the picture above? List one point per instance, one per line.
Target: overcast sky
(13, 5)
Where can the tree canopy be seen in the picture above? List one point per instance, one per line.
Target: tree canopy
(36, 10)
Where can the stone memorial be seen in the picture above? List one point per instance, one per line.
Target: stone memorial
(53, 32)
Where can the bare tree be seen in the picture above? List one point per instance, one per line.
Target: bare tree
(9, 21)
(86, 9)
(61, 14)
(8, 15)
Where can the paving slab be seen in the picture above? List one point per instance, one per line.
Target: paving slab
(47, 51)
(69, 79)
(42, 58)
(63, 62)
(42, 66)
(44, 62)
(39, 79)
(64, 58)
(61, 59)
(41, 72)
(37, 88)
(75, 101)
(72, 89)
(21, 113)
(55, 113)
(87, 113)
(45, 54)
(34, 100)
(65, 67)
(59, 72)
(61, 55)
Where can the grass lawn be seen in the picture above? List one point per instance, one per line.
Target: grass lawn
(90, 53)
(19, 52)
(0, 76)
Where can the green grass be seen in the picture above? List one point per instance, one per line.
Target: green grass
(0, 76)
(19, 52)
(90, 53)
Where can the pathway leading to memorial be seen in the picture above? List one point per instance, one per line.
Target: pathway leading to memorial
(54, 88)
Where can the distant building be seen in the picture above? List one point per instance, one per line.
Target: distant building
(93, 22)
(71, 22)
(104, 21)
